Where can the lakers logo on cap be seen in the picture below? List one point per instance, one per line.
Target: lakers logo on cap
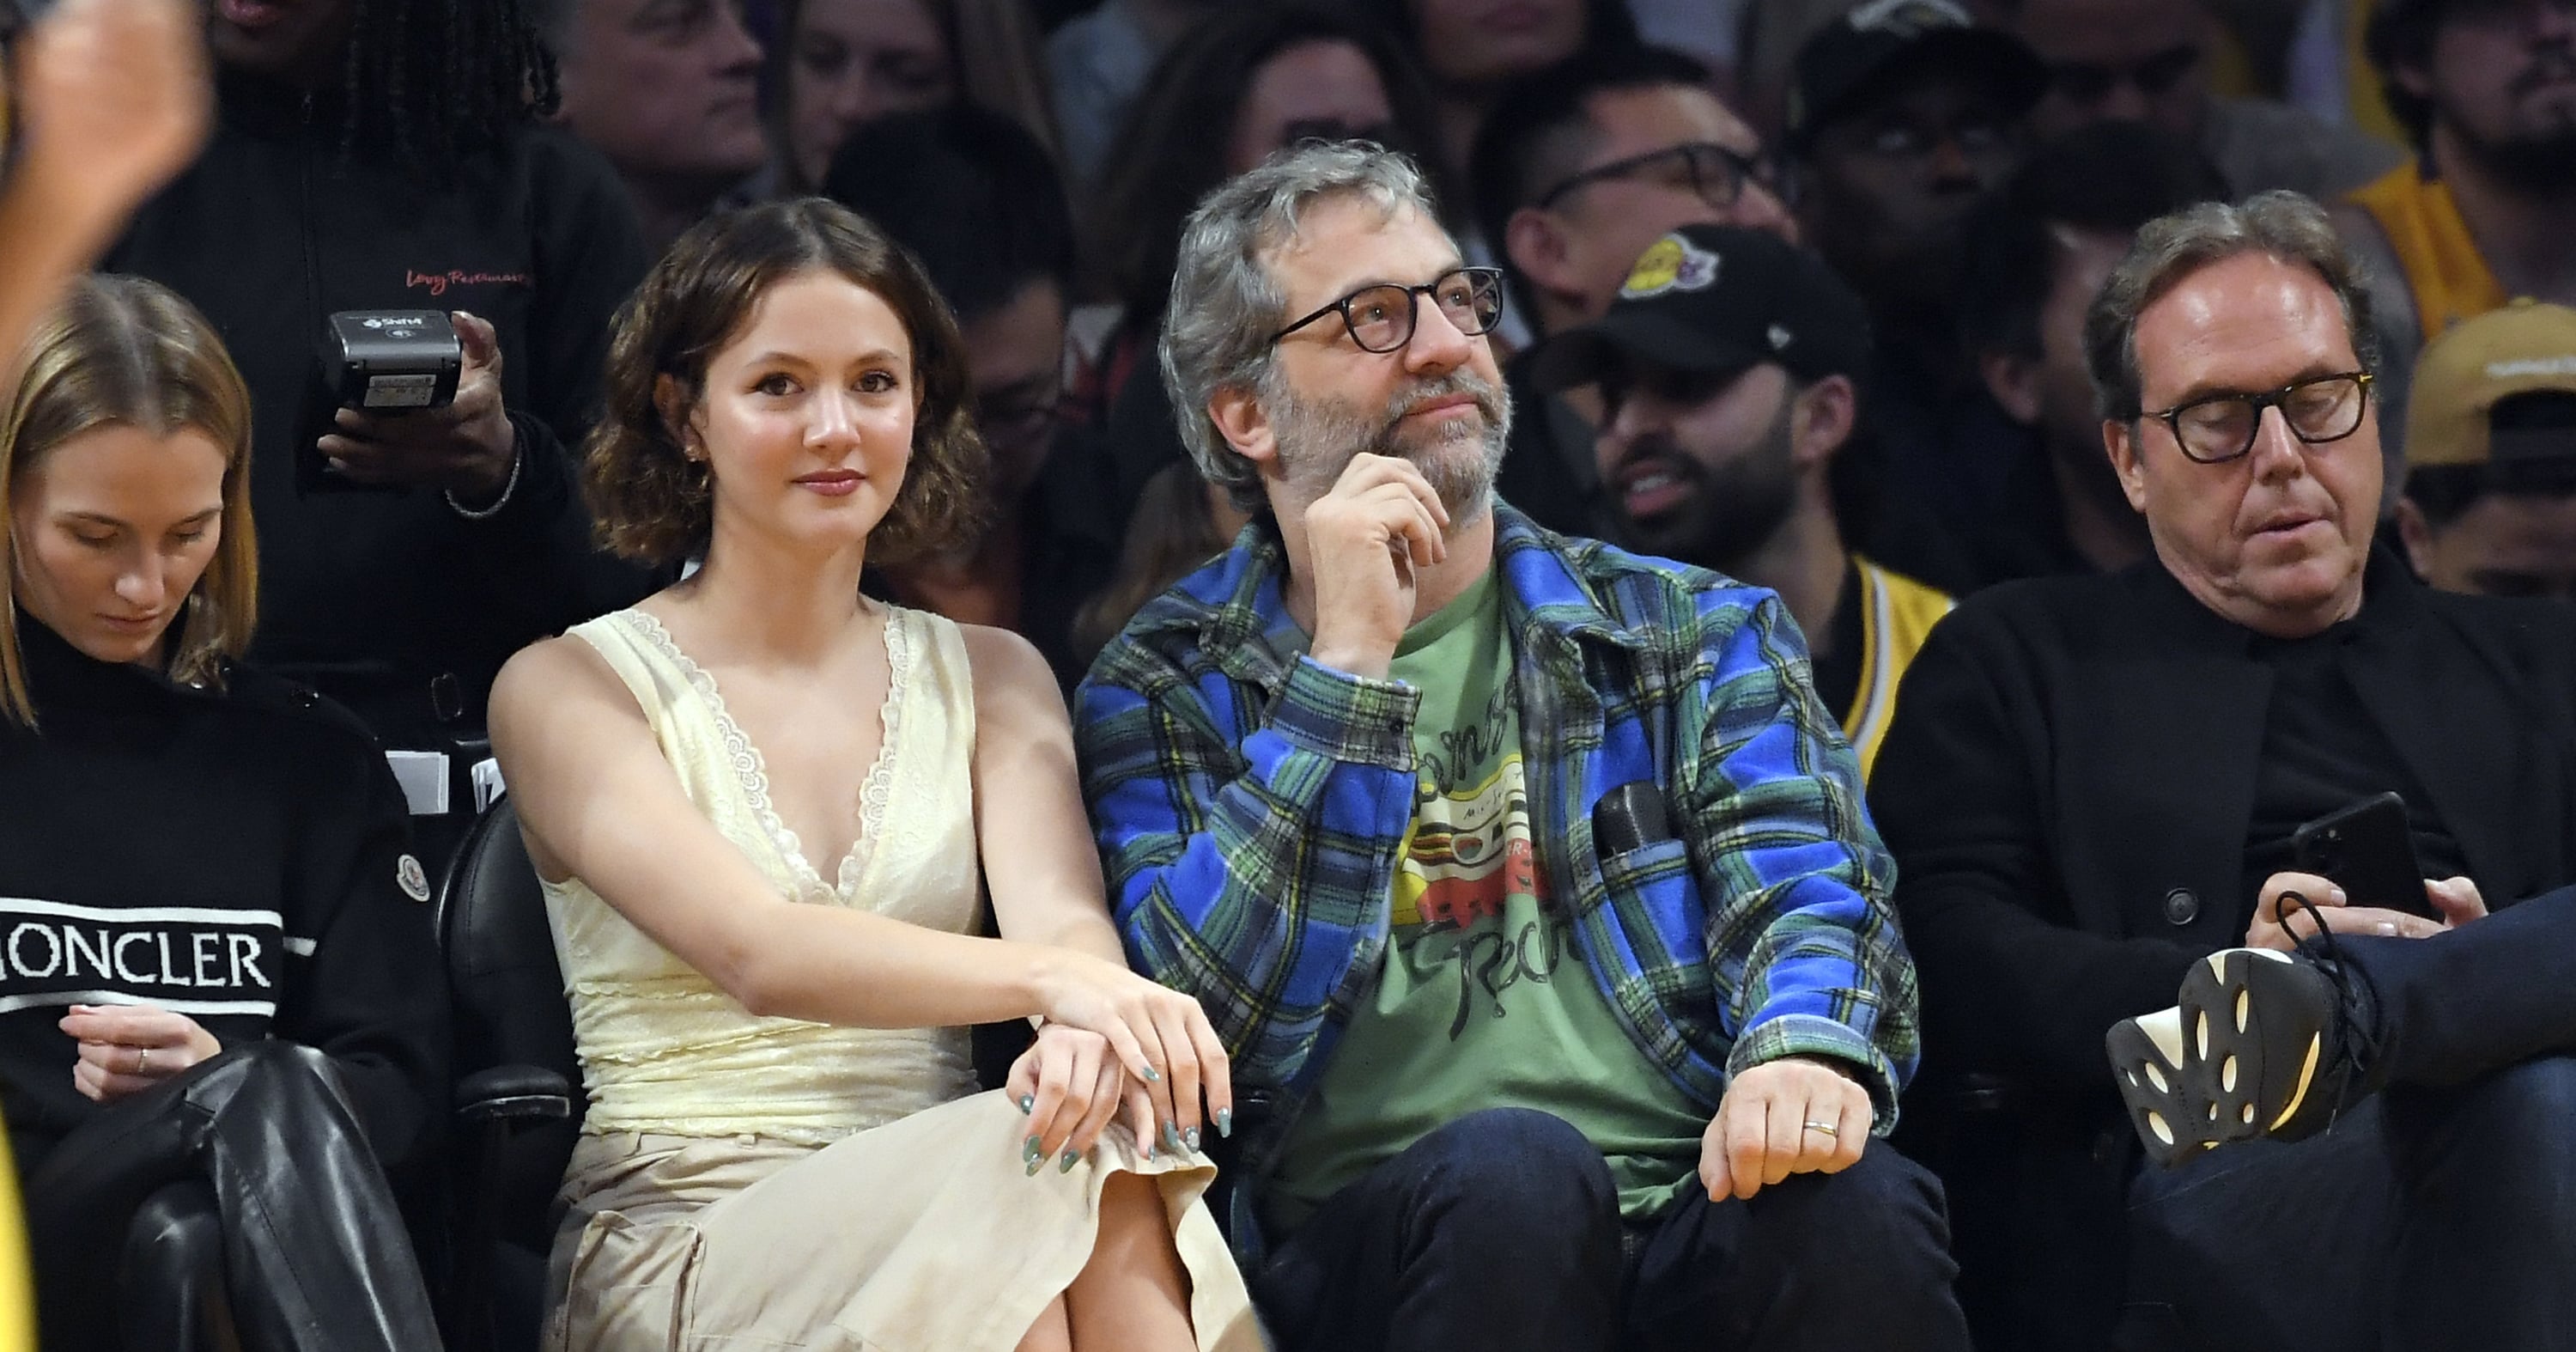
(1670, 264)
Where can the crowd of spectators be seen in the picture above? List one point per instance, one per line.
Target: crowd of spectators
(2050, 453)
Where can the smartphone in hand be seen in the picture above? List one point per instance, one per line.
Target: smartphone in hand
(2368, 850)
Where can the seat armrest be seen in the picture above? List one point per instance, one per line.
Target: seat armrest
(513, 1093)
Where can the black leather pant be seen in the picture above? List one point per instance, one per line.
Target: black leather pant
(313, 1243)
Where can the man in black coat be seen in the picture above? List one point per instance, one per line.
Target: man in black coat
(2093, 782)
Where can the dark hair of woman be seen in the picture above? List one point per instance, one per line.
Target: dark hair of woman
(655, 505)
(1173, 151)
(429, 80)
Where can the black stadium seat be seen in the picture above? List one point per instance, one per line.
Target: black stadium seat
(518, 1098)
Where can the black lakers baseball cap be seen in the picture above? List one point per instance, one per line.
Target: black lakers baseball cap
(1717, 298)
(1881, 40)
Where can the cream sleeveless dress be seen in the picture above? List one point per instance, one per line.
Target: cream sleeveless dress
(746, 1182)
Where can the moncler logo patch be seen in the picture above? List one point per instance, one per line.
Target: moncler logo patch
(414, 878)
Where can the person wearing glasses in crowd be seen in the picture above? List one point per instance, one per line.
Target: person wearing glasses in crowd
(2149, 61)
(1903, 115)
(975, 197)
(1576, 171)
(1526, 880)
(2097, 782)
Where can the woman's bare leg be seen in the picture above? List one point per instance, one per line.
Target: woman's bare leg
(1134, 1293)
(1050, 1333)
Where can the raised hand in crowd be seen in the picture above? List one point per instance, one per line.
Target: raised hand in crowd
(112, 97)
(467, 448)
(109, 98)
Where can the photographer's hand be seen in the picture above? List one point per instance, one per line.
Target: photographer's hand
(466, 448)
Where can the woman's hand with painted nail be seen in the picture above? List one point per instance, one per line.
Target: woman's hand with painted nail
(1068, 1084)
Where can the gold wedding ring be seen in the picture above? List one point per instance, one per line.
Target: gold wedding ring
(143, 1065)
(1825, 1127)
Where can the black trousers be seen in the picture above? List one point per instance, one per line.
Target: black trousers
(1501, 1230)
(313, 1244)
(2437, 1215)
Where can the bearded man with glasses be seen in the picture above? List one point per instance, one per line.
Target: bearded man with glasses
(2096, 788)
(1526, 880)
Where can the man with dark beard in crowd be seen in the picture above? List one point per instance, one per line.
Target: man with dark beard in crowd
(2488, 212)
(1729, 369)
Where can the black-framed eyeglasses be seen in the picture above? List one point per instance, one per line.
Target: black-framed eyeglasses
(1023, 423)
(1381, 318)
(1716, 173)
(2222, 427)
(2089, 82)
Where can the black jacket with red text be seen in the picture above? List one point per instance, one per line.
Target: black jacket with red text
(279, 224)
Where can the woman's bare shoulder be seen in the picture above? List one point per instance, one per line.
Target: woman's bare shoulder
(552, 676)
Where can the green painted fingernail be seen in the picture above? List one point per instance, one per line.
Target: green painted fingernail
(1067, 1166)
(1034, 1166)
(1153, 1076)
(1225, 1122)
(1031, 1153)
(1191, 1137)
(1028, 1104)
(1171, 1139)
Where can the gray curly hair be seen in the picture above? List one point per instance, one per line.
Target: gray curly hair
(1225, 305)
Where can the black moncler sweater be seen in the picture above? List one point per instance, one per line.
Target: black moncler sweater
(238, 855)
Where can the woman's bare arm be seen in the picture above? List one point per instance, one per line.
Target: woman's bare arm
(1040, 861)
(1042, 864)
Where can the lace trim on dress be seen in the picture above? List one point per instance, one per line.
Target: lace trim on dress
(751, 770)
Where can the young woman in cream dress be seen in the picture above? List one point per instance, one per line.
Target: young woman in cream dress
(765, 810)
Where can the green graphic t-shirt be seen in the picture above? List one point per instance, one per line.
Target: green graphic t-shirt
(1483, 1000)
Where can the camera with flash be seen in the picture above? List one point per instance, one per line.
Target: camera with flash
(391, 361)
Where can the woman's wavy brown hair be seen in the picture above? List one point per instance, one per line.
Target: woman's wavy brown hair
(122, 350)
(656, 506)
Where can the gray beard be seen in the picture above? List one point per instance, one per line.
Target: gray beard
(1319, 438)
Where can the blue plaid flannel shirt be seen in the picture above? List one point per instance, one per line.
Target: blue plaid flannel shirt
(1250, 804)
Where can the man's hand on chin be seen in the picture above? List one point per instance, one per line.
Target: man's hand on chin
(1366, 538)
(1796, 1115)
